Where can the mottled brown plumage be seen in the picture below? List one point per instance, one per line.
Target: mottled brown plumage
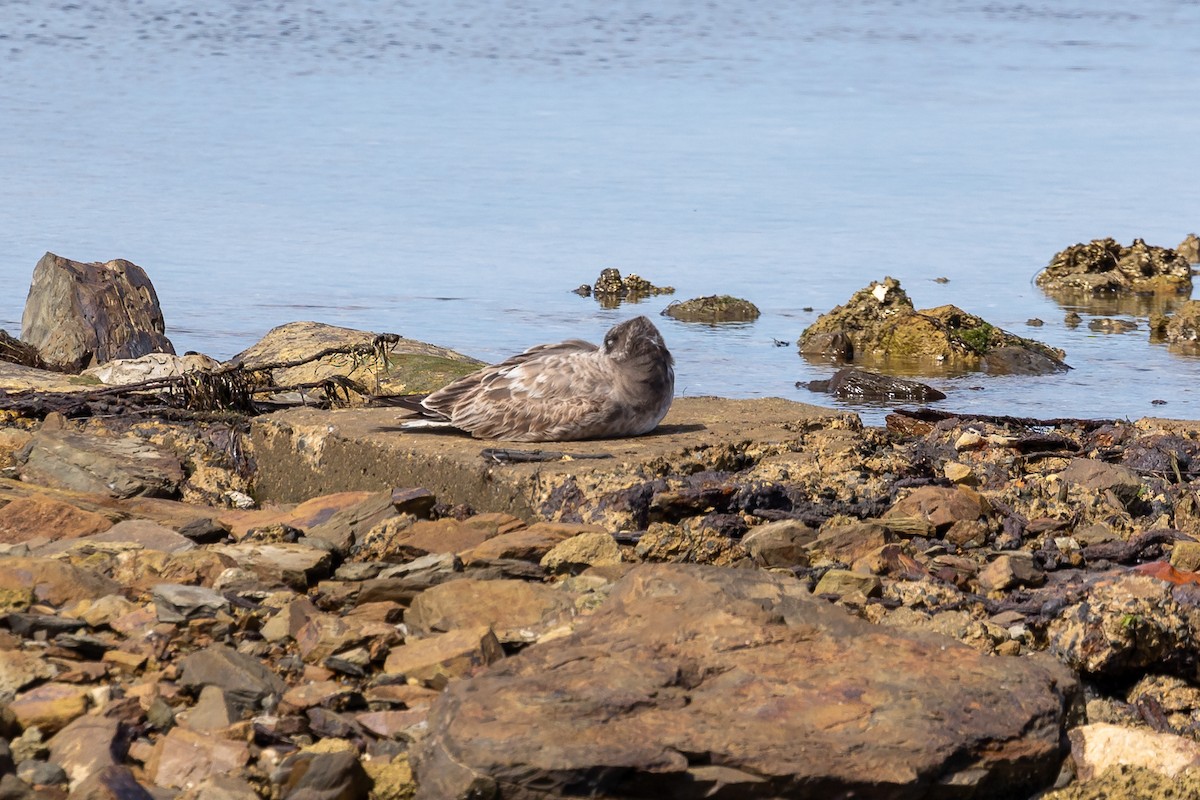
(559, 392)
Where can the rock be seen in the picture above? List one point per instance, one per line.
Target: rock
(150, 367)
(525, 544)
(214, 711)
(516, 610)
(78, 315)
(879, 325)
(592, 549)
(324, 776)
(610, 289)
(393, 780)
(436, 660)
(713, 309)
(957, 472)
(1110, 325)
(822, 700)
(680, 543)
(184, 758)
(1010, 570)
(18, 669)
(297, 566)
(38, 518)
(176, 603)
(422, 538)
(408, 366)
(858, 385)
(221, 787)
(85, 746)
(1124, 626)
(846, 544)
(49, 581)
(783, 543)
(245, 680)
(942, 507)
(1099, 747)
(403, 582)
(119, 467)
(1186, 556)
(1181, 331)
(1098, 476)
(140, 532)
(846, 583)
(115, 782)
(51, 706)
(347, 525)
(1105, 267)
(41, 773)
(14, 351)
(1189, 249)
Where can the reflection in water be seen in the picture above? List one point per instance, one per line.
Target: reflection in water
(1142, 306)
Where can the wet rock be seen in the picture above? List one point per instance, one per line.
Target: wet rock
(1109, 325)
(880, 323)
(814, 672)
(153, 366)
(78, 315)
(576, 554)
(1098, 747)
(405, 366)
(1189, 249)
(1181, 330)
(516, 610)
(713, 309)
(870, 387)
(246, 680)
(435, 660)
(1103, 266)
(610, 289)
(119, 467)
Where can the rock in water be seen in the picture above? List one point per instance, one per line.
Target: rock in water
(79, 315)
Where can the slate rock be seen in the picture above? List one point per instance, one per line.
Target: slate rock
(695, 682)
(111, 783)
(38, 518)
(324, 776)
(859, 385)
(19, 668)
(51, 706)
(81, 314)
(142, 532)
(783, 543)
(183, 758)
(403, 582)
(127, 466)
(178, 603)
(942, 507)
(246, 680)
(152, 366)
(51, 581)
(294, 565)
(592, 549)
(518, 611)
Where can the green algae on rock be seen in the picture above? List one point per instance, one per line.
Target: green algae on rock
(880, 326)
(1104, 266)
(713, 309)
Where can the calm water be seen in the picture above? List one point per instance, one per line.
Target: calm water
(451, 170)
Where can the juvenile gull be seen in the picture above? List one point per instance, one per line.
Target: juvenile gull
(559, 392)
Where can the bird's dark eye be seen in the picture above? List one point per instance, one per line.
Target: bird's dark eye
(610, 342)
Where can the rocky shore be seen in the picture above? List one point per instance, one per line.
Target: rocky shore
(760, 599)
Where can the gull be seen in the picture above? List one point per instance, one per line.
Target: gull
(561, 392)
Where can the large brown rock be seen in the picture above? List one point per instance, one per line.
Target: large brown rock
(699, 682)
(79, 315)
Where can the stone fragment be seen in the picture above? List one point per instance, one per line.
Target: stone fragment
(713, 309)
(125, 466)
(681, 544)
(184, 758)
(294, 565)
(418, 502)
(51, 706)
(859, 385)
(317, 776)
(592, 549)
(1101, 746)
(393, 780)
(221, 787)
(516, 610)
(1100, 476)
(844, 583)
(347, 525)
(246, 680)
(394, 724)
(142, 532)
(783, 543)
(115, 782)
(85, 746)
(846, 544)
(436, 660)
(941, 506)
(433, 536)
(825, 704)
(19, 668)
(1010, 570)
(50, 581)
(177, 603)
(37, 518)
(81, 314)
(150, 367)
(323, 635)
(214, 711)
(957, 472)
(525, 544)
(1185, 555)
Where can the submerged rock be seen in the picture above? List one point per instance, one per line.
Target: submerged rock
(1104, 266)
(863, 386)
(713, 309)
(1180, 331)
(879, 325)
(82, 314)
